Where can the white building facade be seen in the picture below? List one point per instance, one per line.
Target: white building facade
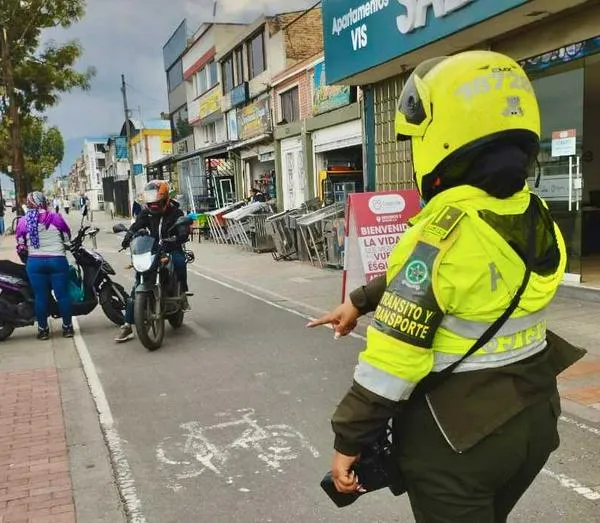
(204, 170)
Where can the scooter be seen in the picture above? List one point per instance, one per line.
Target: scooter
(158, 293)
(16, 294)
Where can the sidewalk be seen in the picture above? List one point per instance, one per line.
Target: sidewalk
(54, 467)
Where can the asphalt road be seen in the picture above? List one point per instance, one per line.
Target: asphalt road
(229, 420)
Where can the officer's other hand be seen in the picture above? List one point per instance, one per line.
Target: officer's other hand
(343, 318)
(344, 479)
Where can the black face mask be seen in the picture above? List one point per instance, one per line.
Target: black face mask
(499, 166)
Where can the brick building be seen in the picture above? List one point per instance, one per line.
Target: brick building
(318, 135)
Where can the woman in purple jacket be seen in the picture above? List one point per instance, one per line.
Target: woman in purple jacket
(41, 236)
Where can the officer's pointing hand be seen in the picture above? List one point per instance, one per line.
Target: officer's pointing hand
(343, 318)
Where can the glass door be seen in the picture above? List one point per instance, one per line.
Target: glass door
(560, 92)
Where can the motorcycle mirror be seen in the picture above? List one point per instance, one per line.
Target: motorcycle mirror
(119, 227)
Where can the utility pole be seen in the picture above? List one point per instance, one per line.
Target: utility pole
(18, 161)
(130, 179)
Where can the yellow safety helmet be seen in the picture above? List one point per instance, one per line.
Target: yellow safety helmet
(450, 106)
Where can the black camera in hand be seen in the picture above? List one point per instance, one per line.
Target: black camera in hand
(377, 469)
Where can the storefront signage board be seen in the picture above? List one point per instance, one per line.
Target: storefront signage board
(361, 34)
(564, 143)
(254, 119)
(327, 97)
(209, 104)
(374, 223)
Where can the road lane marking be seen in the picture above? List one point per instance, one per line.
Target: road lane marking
(574, 485)
(269, 302)
(580, 425)
(124, 477)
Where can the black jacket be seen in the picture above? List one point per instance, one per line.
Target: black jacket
(152, 222)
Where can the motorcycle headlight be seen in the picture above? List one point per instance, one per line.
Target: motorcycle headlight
(142, 262)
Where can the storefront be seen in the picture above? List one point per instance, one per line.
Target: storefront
(338, 161)
(555, 41)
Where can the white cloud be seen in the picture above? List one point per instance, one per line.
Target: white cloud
(126, 37)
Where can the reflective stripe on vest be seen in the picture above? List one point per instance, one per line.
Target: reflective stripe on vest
(382, 383)
(487, 361)
(475, 329)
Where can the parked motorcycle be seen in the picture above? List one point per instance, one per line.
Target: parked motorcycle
(158, 293)
(16, 294)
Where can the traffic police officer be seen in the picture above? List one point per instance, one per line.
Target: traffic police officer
(469, 449)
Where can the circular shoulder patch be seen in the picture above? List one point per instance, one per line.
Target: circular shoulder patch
(416, 272)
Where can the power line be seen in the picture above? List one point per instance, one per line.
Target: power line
(304, 13)
(145, 95)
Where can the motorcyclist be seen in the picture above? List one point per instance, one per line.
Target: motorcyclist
(159, 212)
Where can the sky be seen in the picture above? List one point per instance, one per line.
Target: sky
(126, 37)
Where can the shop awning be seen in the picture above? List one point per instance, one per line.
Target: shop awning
(165, 160)
(215, 149)
(250, 141)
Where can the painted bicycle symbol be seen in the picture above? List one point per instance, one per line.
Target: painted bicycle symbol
(202, 449)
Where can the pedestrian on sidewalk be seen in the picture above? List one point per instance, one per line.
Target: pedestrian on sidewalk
(2, 211)
(41, 236)
(57, 205)
(458, 355)
(67, 205)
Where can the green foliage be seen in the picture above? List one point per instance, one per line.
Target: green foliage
(43, 148)
(40, 74)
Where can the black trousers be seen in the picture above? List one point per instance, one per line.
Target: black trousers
(483, 484)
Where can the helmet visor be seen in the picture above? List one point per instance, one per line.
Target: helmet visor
(413, 113)
(151, 196)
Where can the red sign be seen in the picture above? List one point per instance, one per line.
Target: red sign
(374, 223)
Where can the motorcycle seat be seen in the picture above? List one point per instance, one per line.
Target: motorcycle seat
(13, 269)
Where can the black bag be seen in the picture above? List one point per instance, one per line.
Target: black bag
(378, 467)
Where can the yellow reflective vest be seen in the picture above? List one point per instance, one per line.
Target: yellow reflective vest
(449, 278)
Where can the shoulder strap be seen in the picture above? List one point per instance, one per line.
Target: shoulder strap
(497, 325)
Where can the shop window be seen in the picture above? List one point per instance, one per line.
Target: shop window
(210, 132)
(290, 107)
(213, 77)
(239, 66)
(227, 74)
(205, 79)
(256, 55)
(200, 81)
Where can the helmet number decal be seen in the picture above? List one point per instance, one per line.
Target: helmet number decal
(494, 81)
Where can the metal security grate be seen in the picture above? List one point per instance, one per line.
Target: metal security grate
(393, 168)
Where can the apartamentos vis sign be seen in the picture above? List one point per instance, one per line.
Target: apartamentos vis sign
(361, 34)
(254, 119)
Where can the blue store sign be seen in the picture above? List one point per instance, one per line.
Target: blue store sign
(361, 34)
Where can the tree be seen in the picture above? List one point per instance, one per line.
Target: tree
(43, 149)
(34, 78)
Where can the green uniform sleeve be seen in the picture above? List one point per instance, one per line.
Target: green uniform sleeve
(360, 418)
(367, 297)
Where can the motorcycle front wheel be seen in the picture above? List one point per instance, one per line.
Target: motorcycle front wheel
(149, 326)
